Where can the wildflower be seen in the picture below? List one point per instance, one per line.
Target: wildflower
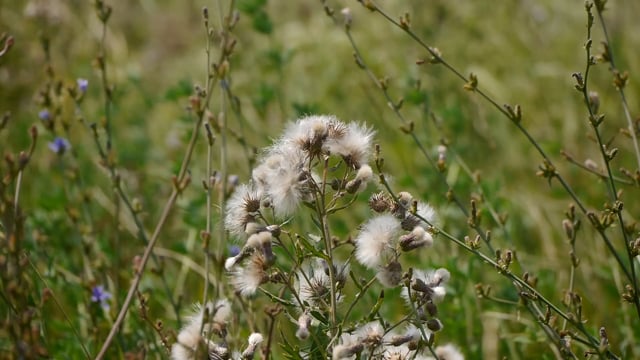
(242, 209)
(390, 275)
(310, 133)
(83, 84)
(99, 295)
(380, 202)
(425, 211)
(234, 250)
(190, 337)
(448, 352)
(262, 240)
(248, 278)
(417, 238)
(283, 177)
(371, 334)
(254, 340)
(354, 146)
(591, 165)
(349, 346)
(59, 145)
(44, 115)
(304, 321)
(428, 286)
(411, 334)
(442, 154)
(374, 244)
(312, 285)
(399, 352)
(348, 17)
(363, 176)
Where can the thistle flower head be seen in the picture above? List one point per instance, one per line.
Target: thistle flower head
(428, 286)
(283, 177)
(313, 284)
(241, 209)
(371, 334)
(428, 213)
(190, 337)
(254, 340)
(311, 133)
(448, 352)
(380, 202)
(247, 278)
(348, 347)
(304, 321)
(354, 146)
(417, 238)
(390, 275)
(375, 242)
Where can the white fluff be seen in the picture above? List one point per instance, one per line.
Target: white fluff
(375, 241)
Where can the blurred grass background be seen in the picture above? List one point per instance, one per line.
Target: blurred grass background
(291, 59)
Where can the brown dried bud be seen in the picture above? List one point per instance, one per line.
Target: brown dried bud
(379, 203)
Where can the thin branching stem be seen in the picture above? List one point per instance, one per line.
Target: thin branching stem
(320, 198)
(441, 177)
(438, 59)
(606, 157)
(620, 89)
(64, 313)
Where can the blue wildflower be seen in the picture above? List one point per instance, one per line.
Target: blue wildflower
(234, 250)
(44, 115)
(100, 295)
(83, 84)
(59, 145)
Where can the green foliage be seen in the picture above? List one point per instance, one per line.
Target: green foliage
(84, 216)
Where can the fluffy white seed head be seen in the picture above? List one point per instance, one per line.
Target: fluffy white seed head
(428, 213)
(283, 178)
(371, 333)
(257, 240)
(441, 276)
(221, 311)
(374, 243)
(190, 337)
(365, 173)
(254, 340)
(348, 347)
(304, 321)
(354, 146)
(246, 279)
(241, 209)
(230, 263)
(448, 352)
(312, 284)
(439, 293)
(428, 285)
(390, 275)
(417, 238)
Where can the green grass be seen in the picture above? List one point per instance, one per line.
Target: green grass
(290, 60)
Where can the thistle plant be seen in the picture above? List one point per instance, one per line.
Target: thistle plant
(319, 168)
(169, 188)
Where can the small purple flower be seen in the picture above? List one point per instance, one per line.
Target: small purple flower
(44, 115)
(59, 145)
(99, 295)
(234, 250)
(83, 84)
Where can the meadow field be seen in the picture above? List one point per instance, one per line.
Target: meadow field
(319, 179)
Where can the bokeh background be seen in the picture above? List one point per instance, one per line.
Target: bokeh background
(292, 59)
